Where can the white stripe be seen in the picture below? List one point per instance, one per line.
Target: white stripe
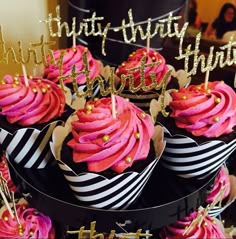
(15, 141)
(3, 135)
(184, 140)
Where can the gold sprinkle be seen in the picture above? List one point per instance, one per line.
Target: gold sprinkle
(5, 218)
(31, 233)
(14, 85)
(34, 90)
(153, 58)
(74, 49)
(131, 55)
(123, 64)
(96, 99)
(217, 100)
(89, 107)
(144, 53)
(39, 81)
(106, 138)
(216, 119)
(2, 82)
(184, 97)
(160, 61)
(88, 112)
(36, 212)
(213, 221)
(17, 82)
(128, 159)
(205, 223)
(137, 135)
(44, 90)
(208, 91)
(30, 77)
(48, 86)
(198, 87)
(21, 233)
(20, 226)
(143, 115)
(15, 78)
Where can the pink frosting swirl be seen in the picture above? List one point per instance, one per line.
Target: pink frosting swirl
(72, 57)
(221, 182)
(207, 229)
(134, 60)
(107, 142)
(33, 224)
(38, 103)
(5, 173)
(208, 113)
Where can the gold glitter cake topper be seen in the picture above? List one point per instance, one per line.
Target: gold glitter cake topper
(167, 27)
(93, 234)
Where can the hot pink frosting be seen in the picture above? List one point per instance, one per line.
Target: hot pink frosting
(4, 169)
(33, 224)
(221, 181)
(134, 60)
(41, 102)
(104, 142)
(73, 56)
(207, 229)
(208, 113)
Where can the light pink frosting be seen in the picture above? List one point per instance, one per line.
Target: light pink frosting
(221, 181)
(134, 60)
(104, 142)
(33, 224)
(207, 229)
(208, 113)
(38, 103)
(73, 56)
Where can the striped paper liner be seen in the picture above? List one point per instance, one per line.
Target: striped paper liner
(29, 147)
(99, 192)
(187, 159)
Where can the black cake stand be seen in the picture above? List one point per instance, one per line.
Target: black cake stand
(165, 199)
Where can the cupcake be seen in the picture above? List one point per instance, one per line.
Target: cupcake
(29, 224)
(193, 226)
(219, 192)
(107, 160)
(142, 98)
(5, 173)
(200, 131)
(72, 58)
(27, 118)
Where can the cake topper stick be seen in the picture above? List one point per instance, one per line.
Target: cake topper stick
(206, 80)
(74, 40)
(113, 106)
(6, 203)
(25, 75)
(14, 207)
(148, 43)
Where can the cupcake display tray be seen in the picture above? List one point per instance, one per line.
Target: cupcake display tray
(164, 200)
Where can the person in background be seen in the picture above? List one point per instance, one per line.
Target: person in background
(193, 17)
(225, 22)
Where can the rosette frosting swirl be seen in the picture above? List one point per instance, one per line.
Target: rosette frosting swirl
(72, 57)
(33, 224)
(221, 185)
(208, 228)
(210, 113)
(104, 141)
(134, 60)
(37, 103)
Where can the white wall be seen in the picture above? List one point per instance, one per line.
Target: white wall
(20, 21)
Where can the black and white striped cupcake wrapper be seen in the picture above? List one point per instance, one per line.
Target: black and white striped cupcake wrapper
(141, 100)
(99, 192)
(29, 147)
(187, 159)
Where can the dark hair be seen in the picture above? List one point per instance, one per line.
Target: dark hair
(224, 8)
